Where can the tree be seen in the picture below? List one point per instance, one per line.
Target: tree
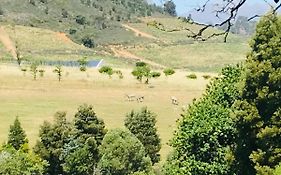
(122, 154)
(83, 62)
(205, 133)
(88, 124)
(142, 125)
(257, 114)
(18, 162)
(141, 71)
(106, 70)
(34, 70)
(168, 71)
(82, 159)
(88, 42)
(17, 137)
(58, 71)
(53, 137)
(170, 8)
(81, 20)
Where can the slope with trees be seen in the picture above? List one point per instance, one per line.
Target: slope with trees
(78, 18)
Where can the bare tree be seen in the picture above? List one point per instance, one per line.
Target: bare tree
(226, 13)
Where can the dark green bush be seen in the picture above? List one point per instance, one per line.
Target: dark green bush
(191, 76)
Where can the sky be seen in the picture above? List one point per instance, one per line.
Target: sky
(185, 6)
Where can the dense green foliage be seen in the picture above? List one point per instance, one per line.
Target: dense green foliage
(168, 71)
(52, 140)
(19, 162)
(142, 125)
(122, 154)
(17, 137)
(71, 148)
(88, 125)
(258, 113)
(80, 159)
(206, 131)
(106, 70)
(235, 127)
(191, 76)
(277, 171)
(143, 71)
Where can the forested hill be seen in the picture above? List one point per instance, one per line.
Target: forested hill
(78, 18)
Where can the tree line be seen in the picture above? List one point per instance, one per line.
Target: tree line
(84, 146)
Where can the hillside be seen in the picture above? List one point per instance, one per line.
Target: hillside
(80, 19)
(120, 32)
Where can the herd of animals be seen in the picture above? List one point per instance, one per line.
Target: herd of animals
(140, 98)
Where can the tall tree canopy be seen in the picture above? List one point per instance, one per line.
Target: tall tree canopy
(52, 140)
(123, 154)
(88, 124)
(142, 125)
(258, 113)
(17, 137)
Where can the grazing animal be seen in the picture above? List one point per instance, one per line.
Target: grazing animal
(174, 100)
(130, 97)
(140, 99)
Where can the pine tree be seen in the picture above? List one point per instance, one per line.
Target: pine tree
(142, 125)
(258, 113)
(17, 137)
(88, 124)
(53, 137)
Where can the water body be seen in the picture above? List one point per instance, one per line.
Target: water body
(69, 63)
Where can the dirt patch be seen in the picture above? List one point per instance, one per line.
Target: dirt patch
(7, 42)
(119, 52)
(139, 33)
(62, 36)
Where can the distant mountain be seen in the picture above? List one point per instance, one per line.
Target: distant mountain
(82, 20)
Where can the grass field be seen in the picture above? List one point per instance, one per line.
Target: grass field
(201, 57)
(36, 101)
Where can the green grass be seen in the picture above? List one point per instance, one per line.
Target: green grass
(201, 57)
(36, 101)
(42, 44)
